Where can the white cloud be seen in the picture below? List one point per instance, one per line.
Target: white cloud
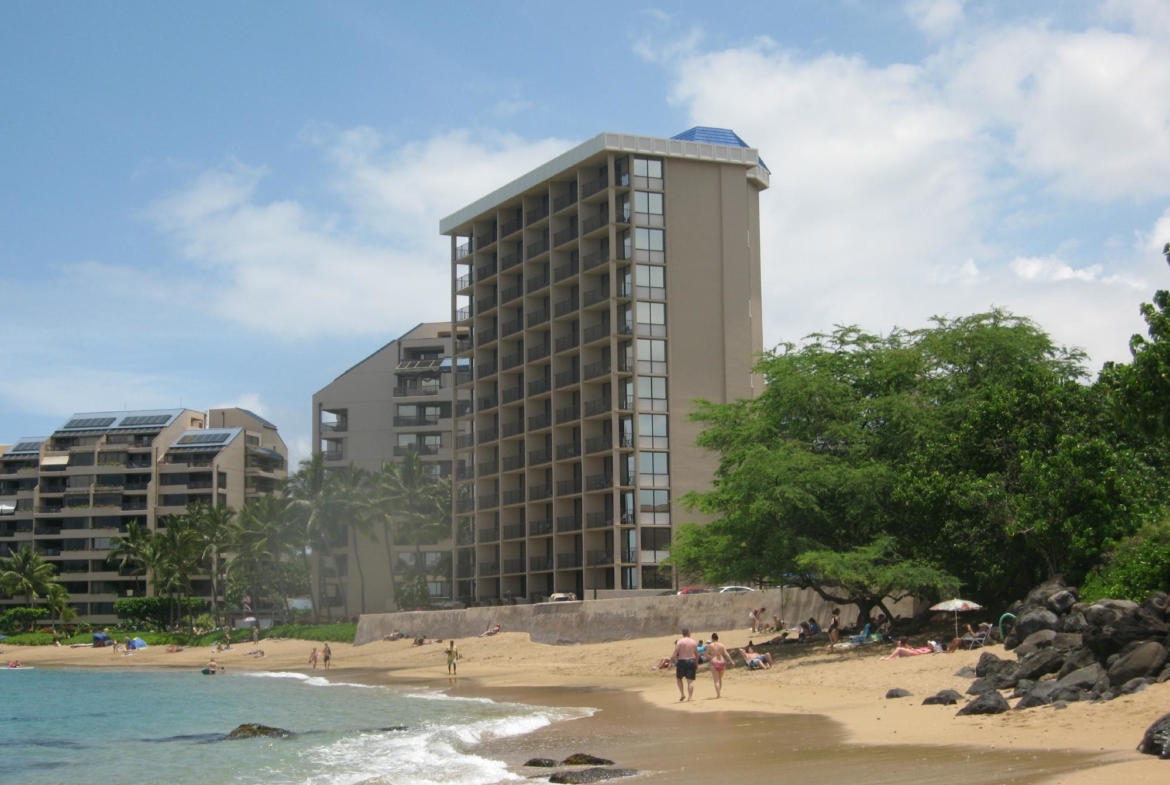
(891, 183)
(936, 18)
(286, 268)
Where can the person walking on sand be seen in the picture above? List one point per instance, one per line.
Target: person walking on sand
(452, 659)
(328, 654)
(835, 628)
(754, 619)
(686, 661)
(313, 658)
(720, 659)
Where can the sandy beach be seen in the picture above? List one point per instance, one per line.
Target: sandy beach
(835, 700)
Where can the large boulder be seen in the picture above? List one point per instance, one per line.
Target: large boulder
(590, 775)
(987, 703)
(1075, 660)
(541, 763)
(1134, 685)
(967, 672)
(1074, 620)
(1157, 604)
(256, 731)
(1039, 597)
(1157, 738)
(1041, 639)
(1138, 624)
(1034, 621)
(1082, 679)
(1039, 664)
(1040, 694)
(1147, 659)
(1105, 612)
(898, 692)
(988, 663)
(1062, 601)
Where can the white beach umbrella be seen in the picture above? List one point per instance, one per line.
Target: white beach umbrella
(958, 606)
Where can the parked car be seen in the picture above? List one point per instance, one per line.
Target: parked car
(562, 597)
(692, 590)
(729, 589)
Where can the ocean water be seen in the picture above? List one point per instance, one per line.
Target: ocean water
(72, 726)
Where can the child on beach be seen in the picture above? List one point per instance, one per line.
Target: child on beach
(313, 655)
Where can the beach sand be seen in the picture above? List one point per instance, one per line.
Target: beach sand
(814, 714)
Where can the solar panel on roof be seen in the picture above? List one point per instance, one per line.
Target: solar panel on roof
(26, 446)
(145, 419)
(91, 422)
(204, 438)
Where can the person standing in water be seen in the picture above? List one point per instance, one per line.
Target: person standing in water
(452, 659)
(720, 659)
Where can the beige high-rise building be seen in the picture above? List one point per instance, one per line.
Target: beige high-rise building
(69, 494)
(603, 293)
(397, 400)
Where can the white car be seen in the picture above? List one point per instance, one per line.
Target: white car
(729, 589)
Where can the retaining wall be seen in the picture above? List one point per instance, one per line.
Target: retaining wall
(595, 621)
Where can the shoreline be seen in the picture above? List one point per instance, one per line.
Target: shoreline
(841, 696)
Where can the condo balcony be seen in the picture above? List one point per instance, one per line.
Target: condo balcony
(540, 563)
(510, 429)
(599, 557)
(539, 528)
(594, 259)
(417, 420)
(568, 450)
(568, 487)
(536, 283)
(567, 270)
(512, 394)
(599, 482)
(513, 566)
(537, 248)
(595, 333)
(596, 406)
(599, 520)
(569, 561)
(407, 391)
(566, 199)
(595, 296)
(540, 386)
(598, 444)
(538, 493)
(510, 293)
(485, 271)
(599, 368)
(591, 187)
(538, 457)
(568, 414)
(538, 352)
(566, 378)
(513, 531)
(565, 235)
(565, 307)
(568, 523)
(539, 422)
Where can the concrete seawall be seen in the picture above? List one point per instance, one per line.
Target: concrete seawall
(596, 621)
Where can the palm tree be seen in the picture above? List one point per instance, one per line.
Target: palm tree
(351, 491)
(311, 491)
(179, 556)
(57, 599)
(380, 511)
(135, 549)
(216, 530)
(421, 506)
(263, 542)
(26, 573)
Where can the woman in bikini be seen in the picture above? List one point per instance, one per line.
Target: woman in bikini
(835, 628)
(720, 659)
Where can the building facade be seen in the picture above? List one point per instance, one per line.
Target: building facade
(68, 495)
(601, 294)
(398, 400)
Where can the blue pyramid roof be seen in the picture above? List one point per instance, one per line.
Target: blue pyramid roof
(709, 135)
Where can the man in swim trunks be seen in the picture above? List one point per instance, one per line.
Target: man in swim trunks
(452, 659)
(720, 659)
(686, 661)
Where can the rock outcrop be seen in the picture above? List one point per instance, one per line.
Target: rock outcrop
(257, 731)
(1157, 738)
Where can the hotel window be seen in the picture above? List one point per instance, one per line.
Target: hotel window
(649, 239)
(656, 539)
(648, 207)
(654, 468)
(652, 431)
(654, 506)
(622, 202)
(629, 516)
(651, 318)
(650, 245)
(651, 281)
(624, 249)
(651, 355)
(648, 173)
(652, 393)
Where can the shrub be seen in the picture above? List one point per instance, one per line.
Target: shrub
(21, 619)
(1138, 566)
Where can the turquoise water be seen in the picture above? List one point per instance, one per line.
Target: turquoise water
(61, 726)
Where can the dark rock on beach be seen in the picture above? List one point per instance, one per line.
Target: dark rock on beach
(1146, 659)
(988, 662)
(1035, 621)
(1062, 602)
(1082, 679)
(1134, 685)
(583, 759)
(542, 763)
(898, 692)
(987, 703)
(966, 672)
(1041, 663)
(943, 698)
(1157, 738)
(256, 731)
(590, 775)
(1075, 660)
(1040, 694)
(1041, 639)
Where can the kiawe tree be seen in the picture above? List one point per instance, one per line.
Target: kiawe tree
(972, 452)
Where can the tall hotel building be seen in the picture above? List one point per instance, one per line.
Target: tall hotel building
(601, 294)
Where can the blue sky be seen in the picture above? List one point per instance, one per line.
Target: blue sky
(232, 203)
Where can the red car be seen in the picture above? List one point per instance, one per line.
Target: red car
(692, 590)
